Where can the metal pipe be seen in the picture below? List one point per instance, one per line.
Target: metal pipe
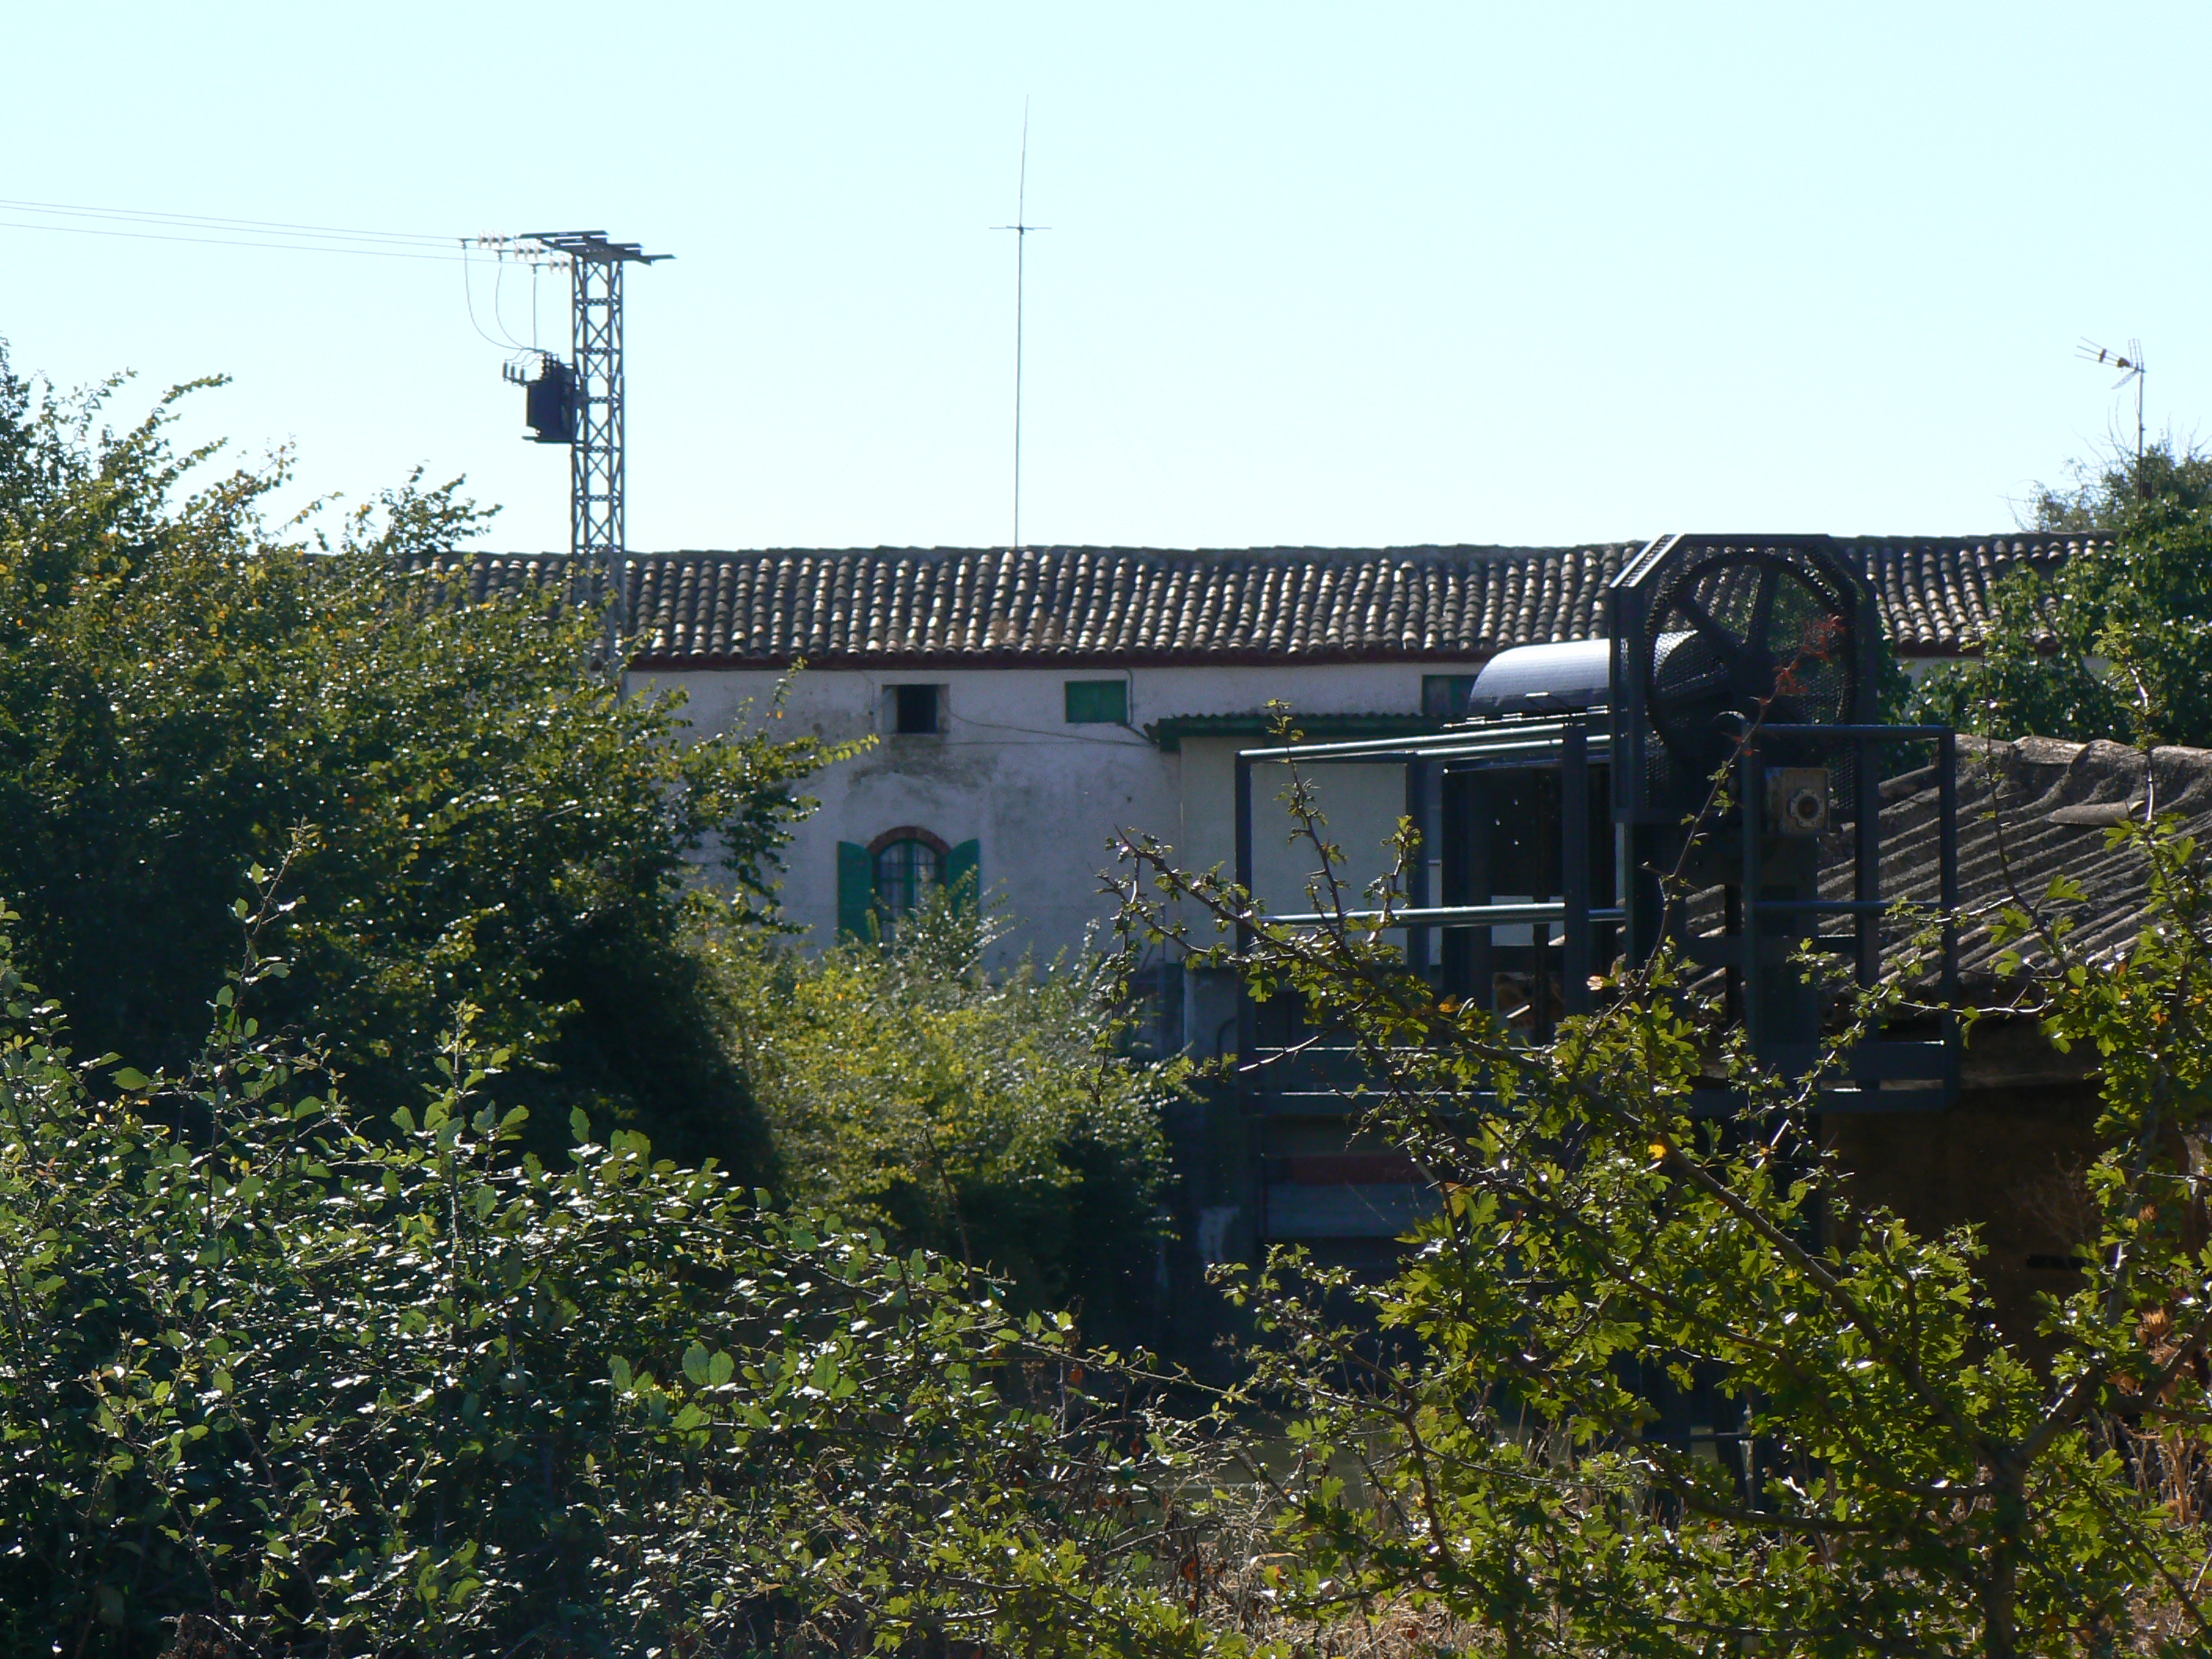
(1417, 884)
(1946, 812)
(1747, 774)
(1828, 906)
(1529, 754)
(1246, 1023)
(1865, 860)
(1250, 1184)
(1433, 747)
(1444, 915)
(1899, 734)
(1575, 872)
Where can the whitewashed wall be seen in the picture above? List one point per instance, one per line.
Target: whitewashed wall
(1044, 798)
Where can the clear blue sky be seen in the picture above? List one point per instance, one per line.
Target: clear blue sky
(1335, 275)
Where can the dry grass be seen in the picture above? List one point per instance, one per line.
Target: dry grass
(1233, 1569)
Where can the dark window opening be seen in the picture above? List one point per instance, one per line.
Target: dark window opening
(1508, 847)
(905, 872)
(914, 709)
(1097, 702)
(1444, 696)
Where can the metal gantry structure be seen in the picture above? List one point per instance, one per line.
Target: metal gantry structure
(587, 415)
(1708, 780)
(1576, 817)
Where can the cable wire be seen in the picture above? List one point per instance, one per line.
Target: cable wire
(469, 297)
(256, 226)
(499, 311)
(224, 241)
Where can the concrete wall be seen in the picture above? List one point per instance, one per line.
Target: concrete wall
(1044, 798)
(1362, 803)
(2005, 1160)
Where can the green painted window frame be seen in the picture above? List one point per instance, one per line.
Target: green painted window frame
(964, 872)
(856, 892)
(1097, 702)
(861, 912)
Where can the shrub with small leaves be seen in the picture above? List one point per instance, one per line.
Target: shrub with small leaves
(416, 1392)
(990, 1115)
(1656, 1380)
(185, 685)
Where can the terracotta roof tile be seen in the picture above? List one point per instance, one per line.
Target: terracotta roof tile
(1065, 604)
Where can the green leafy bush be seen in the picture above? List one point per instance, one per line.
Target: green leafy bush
(344, 1394)
(183, 688)
(2117, 642)
(985, 1116)
(1501, 1431)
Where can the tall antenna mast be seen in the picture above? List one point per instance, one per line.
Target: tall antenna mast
(1021, 227)
(2134, 370)
(586, 412)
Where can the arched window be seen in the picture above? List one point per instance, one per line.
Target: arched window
(906, 869)
(893, 875)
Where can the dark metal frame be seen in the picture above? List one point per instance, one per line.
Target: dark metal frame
(1572, 745)
(1575, 933)
(1877, 1060)
(597, 527)
(1876, 1073)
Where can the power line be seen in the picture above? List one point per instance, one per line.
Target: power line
(157, 215)
(222, 242)
(505, 338)
(498, 305)
(469, 298)
(590, 415)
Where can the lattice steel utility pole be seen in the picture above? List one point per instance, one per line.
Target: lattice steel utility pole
(597, 529)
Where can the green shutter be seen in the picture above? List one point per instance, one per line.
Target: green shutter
(1097, 702)
(856, 891)
(964, 872)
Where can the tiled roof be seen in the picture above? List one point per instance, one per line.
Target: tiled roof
(2030, 809)
(1070, 605)
(1934, 595)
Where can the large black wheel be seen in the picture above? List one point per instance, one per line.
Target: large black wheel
(1741, 634)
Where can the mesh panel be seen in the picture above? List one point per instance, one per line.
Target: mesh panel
(1735, 633)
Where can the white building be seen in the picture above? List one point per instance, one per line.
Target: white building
(1031, 704)
(1028, 705)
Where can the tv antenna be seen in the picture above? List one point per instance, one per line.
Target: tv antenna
(1021, 227)
(2132, 368)
(579, 403)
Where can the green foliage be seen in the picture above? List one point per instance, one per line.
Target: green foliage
(1488, 1432)
(355, 1393)
(468, 815)
(987, 1115)
(2117, 642)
